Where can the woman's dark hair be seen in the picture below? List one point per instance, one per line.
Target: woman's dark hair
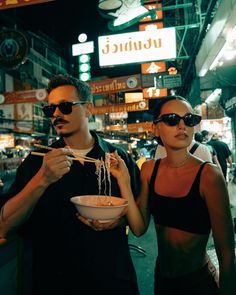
(83, 89)
(164, 100)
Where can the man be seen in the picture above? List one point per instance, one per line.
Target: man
(223, 153)
(69, 257)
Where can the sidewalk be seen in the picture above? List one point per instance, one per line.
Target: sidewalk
(144, 265)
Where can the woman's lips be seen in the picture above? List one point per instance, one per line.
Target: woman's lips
(181, 136)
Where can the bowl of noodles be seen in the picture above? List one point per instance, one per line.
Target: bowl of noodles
(98, 207)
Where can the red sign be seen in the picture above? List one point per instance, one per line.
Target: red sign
(121, 107)
(5, 4)
(34, 95)
(153, 67)
(120, 84)
(153, 92)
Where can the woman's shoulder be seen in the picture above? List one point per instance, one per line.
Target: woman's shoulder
(147, 168)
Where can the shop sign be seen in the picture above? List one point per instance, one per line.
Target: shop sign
(13, 48)
(34, 95)
(5, 4)
(153, 67)
(82, 48)
(153, 92)
(122, 107)
(162, 81)
(137, 47)
(120, 84)
(140, 127)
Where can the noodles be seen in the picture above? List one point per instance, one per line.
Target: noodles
(103, 168)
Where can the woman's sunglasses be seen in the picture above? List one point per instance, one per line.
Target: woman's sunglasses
(173, 119)
(64, 107)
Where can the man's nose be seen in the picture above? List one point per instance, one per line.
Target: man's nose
(57, 112)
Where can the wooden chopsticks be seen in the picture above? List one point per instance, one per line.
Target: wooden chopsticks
(76, 156)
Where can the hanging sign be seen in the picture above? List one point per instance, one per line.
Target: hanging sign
(119, 84)
(137, 47)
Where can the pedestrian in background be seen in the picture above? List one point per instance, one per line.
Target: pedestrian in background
(223, 152)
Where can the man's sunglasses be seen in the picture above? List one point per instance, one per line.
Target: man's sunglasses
(173, 119)
(64, 107)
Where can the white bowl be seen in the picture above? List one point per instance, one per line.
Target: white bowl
(96, 207)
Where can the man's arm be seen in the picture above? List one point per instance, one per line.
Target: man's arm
(16, 210)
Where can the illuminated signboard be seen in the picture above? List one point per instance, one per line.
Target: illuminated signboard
(82, 48)
(137, 47)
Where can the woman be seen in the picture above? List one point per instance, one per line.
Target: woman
(187, 198)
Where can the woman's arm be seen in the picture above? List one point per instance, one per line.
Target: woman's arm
(214, 190)
(137, 222)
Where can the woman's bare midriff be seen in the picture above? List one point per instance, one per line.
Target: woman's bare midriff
(180, 252)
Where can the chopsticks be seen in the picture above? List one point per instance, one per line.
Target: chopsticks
(76, 158)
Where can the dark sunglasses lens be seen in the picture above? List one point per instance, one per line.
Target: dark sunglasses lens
(192, 120)
(171, 119)
(49, 111)
(65, 107)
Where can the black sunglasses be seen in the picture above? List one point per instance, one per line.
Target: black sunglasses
(173, 119)
(64, 107)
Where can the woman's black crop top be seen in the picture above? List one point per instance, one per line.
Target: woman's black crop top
(188, 213)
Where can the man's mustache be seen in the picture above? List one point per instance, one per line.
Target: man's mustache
(59, 120)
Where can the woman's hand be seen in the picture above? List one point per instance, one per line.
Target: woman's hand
(118, 168)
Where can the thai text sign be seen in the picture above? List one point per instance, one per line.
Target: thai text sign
(34, 95)
(141, 46)
(119, 84)
(122, 107)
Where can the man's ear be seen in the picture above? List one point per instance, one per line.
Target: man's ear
(89, 109)
(155, 129)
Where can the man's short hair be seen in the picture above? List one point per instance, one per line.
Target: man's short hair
(83, 89)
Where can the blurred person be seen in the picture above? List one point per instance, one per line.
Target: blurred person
(198, 136)
(68, 255)
(197, 149)
(188, 199)
(223, 153)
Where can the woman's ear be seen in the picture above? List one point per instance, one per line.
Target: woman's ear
(155, 129)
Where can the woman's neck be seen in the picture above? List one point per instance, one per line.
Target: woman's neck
(174, 161)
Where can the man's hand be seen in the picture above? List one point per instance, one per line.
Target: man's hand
(100, 226)
(56, 163)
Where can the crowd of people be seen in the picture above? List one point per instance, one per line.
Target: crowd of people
(186, 196)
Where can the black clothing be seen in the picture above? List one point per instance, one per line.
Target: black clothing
(223, 152)
(188, 213)
(67, 254)
(202, 281)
